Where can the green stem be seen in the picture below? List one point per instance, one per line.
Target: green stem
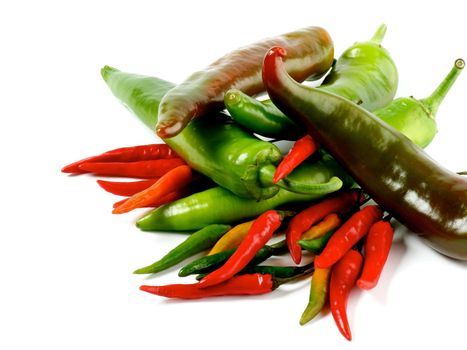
(432, 102)
(379, 35)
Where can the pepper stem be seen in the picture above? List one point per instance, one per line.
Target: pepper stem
(307, 269)
(433, 101)
(379, 35)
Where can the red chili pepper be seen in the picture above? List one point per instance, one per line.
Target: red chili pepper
(145, 169)
(174, 180)
(125, 154)
(238, 285)
(301, 150)
(258, 235)
(347, 235)
(126, 188)
(170, 197)
(305, 219)
(377, 246)
(343, 277)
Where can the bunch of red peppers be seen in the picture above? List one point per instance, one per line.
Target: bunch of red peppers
(344, 233)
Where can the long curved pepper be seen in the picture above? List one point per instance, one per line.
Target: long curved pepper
(343, 277)
(429, 199)
(258, 235)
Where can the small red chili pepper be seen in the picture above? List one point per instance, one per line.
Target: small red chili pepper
(170, 197)
(305, 219)
(347, 235)
(258, 235)
(128, 188)
(125, 154)
(377, 246)
(145, 169)
(174, 180)
(343, 277)
(238, 285)
(301, 150)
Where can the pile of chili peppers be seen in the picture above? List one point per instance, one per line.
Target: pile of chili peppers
(356, 164)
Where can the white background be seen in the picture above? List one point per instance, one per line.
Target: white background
(66, 263)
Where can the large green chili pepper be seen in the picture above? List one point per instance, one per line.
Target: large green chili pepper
(218, 205)
(311, 53)
(365, 73)
(397, 174)
(195, 243)
(213, 145)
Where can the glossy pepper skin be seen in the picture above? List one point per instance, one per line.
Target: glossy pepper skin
(213, 146)
(195, 243)
(397, 174)
(310, 53)
(258, 235)
(365, 73)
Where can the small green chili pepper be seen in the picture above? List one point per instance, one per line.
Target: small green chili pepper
(210, 263)
(315, 245)
(195, 243)
(275, 271)
(365, 73)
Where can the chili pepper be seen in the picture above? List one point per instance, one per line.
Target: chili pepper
(195, 243)
(262, 117)
(248, 284)
(306, 218)
(377, 246)
(168, 198)
(258, 235)
(215, 146)
(365, 73)
(417, 118)
(302, 149)
(311, 54)
(173, 180)
(232, 238)
(274, 271)
(218, 205)
(400, 176)
(145, 169)
(126, 188)
(330, 222)
(210, 263)
(318, 294)
(347, 235)
(343, 277)
(125, 154)
(316, 245)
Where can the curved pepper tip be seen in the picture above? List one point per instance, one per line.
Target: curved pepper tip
(276, 51)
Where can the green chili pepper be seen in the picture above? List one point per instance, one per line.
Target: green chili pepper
(218, 205)
(195, 243)
(398, 175)
(210, 263)
(315, 245)
(365, 73)
(275, 271)
(213, 145)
